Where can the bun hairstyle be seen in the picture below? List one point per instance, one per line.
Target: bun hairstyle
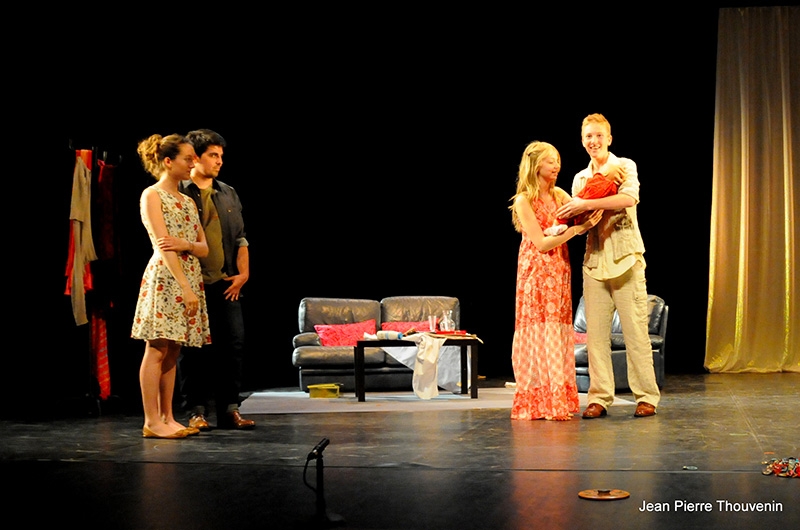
(154, 149)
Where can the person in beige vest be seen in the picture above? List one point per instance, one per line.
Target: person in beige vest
(613, 278)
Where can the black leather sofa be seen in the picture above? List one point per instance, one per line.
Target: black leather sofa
(318, 364)
(657, 326)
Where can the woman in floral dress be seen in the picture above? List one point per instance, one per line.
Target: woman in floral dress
(171, 308)
(543, 355)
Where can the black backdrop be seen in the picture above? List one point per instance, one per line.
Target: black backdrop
(376, 162)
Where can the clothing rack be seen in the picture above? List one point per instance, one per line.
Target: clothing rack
(108, 157)
(98, 382)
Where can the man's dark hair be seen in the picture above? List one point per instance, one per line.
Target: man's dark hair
(202, 139)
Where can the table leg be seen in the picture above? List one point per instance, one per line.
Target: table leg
(464, 371)
(359, 373)
(474, 369)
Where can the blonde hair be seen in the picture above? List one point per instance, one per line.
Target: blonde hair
(598, 119)
(528, 176)
(154, 149)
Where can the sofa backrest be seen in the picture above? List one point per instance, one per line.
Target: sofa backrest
(336, 311)
(418, 308)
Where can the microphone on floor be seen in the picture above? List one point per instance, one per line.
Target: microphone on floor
(317, 451)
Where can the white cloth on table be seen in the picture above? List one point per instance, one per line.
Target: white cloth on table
(434, 365)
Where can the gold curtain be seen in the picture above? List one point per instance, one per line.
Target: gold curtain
(754, 293)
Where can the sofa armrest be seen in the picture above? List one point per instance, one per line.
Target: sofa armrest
(306, 339)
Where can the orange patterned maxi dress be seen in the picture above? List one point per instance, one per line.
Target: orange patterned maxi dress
(543, 355)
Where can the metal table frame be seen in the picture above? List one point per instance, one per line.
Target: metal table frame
(463, 342)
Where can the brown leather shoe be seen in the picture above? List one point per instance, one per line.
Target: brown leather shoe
(594, 410)
(644, 409)
(190, 431)
(234, 420)
(198, 421)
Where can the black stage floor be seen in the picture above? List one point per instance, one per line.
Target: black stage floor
(697, 464)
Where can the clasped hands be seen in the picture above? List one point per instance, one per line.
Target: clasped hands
(175, 244)
(577, 206)
(572, 208)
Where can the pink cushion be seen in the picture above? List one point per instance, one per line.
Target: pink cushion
(402, 327)
(344, 334)
(580, 338)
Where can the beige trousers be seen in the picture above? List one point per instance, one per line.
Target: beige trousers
(628, 295)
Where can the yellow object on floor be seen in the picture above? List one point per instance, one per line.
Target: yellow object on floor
(325, 390)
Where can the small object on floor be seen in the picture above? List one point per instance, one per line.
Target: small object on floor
(511, 384)
(604, 495)
(594, 410)
(199, 422)
(147, 433)
(324, 390)
(644, 409)
(234, 420)
(786, 467)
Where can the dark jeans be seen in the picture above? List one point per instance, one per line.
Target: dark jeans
(214, 372)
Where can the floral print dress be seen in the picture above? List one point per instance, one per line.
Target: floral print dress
(543, 354)
(159, 309)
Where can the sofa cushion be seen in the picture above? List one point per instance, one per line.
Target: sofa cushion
(335, 356)
(344, 334)
(617, 340)
(581, 355)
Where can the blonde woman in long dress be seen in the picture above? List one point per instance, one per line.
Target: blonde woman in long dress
(543, 355)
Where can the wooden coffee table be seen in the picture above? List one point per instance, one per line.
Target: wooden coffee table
(463, 341)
